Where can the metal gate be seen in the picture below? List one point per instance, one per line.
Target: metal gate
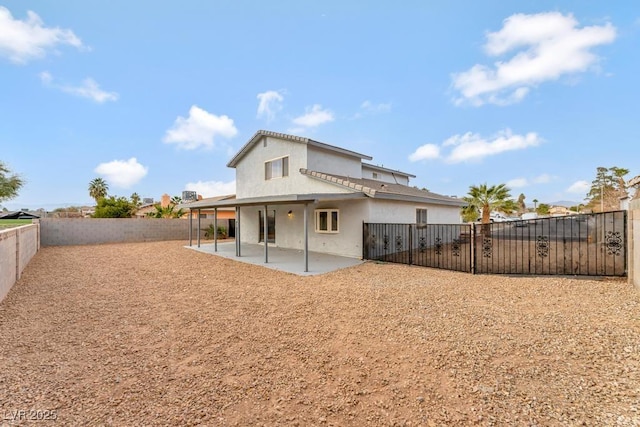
(584, 245)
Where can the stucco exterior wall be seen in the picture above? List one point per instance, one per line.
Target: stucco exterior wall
(333, 163)
(250, 180)
(385, 211)
(290, 230)
(88, 231)
(17, 247)
(383, 176)
(348, 242)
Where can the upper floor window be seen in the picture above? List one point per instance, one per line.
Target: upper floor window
(375, 175)
(421, 216)
(276, 168)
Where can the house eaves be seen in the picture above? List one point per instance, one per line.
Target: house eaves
(392, 171)
(287, 199)
(257, 137)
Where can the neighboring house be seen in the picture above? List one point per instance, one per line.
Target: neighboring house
(19, 215)
(226, 216)
(318, 195)
(145, 209)
(635, 184)
(559, 211)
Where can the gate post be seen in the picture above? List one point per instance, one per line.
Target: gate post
(365, 239)
(410, 244)
(472, 248)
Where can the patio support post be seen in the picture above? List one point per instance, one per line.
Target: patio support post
(190, 227)
(239, 246)
(306, 238)
(215, 229)
(265, 235)
(198, 227)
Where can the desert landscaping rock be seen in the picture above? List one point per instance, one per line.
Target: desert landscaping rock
(156, 334)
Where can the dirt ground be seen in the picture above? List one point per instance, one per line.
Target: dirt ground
(156, 334)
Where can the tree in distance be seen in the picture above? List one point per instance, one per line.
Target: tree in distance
(10, 183)
(98, 189)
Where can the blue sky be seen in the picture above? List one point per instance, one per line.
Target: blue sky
(156, 97)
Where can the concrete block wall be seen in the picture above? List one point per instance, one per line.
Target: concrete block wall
(88, 231)
(17, 247)
(633, 237)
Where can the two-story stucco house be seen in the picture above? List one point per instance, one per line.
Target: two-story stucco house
(317, 196)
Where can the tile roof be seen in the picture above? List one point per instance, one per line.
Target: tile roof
(378, 189)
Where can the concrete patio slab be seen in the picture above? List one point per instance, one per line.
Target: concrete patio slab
(289, 260)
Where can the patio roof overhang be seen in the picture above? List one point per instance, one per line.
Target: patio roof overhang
(287, 199)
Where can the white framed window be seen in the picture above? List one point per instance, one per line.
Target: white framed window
(375, 175)
(276, 168)
(327, 220)
(421, 216)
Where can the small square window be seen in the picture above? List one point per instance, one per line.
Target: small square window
(327, 221)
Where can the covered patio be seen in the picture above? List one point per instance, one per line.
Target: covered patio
(282, 259)
(272, 256)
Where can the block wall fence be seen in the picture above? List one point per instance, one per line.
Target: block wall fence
(633, 237)
(89, 231)
(17, 246)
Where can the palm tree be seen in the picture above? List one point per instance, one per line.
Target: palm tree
(176, 200)
(535, 205)
(168, 212)
(135, 199)
(9, 184)
(98, 189)
(522, 207)
(486, 199)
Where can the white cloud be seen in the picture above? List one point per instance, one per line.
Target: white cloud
(517, 183)
(524, 182)
(543, 179)
(473, 147)
(46, 77)
(579, 187)
(88, 89)
(199, 129)
(212, 188)
(21, 41)
(270, 104)
(370, 107)
(425, 152)
(122, 173)
(547, 46)
(314, 116)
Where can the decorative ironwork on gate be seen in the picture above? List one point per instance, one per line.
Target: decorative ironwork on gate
(584, 245)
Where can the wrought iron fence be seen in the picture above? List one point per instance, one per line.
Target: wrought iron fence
(445, 246)
(586, 245)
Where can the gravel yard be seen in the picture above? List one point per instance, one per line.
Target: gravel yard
(157, 334)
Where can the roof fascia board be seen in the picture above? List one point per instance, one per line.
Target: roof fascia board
(380, 168)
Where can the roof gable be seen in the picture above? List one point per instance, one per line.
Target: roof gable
(257, 137)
